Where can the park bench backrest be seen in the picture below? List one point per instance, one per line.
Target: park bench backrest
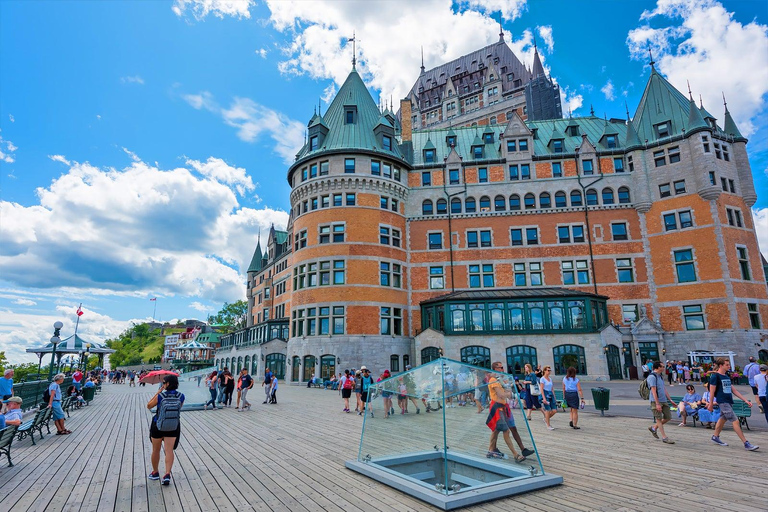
(6, 435)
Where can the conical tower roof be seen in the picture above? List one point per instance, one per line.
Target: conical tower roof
(538, 69)
(695, 119)
(255, 265)
(729, 126)
(661, 103)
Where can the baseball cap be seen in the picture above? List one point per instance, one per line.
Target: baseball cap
(407, 367)
(763, 367)
(15, 399)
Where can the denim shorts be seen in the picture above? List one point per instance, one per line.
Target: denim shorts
(57, 411)
(552, 405)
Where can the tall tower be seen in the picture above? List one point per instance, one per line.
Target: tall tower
(349, 305)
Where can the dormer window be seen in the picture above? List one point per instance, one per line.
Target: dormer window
(451, 141)
(573, 130)
(477, 152)
(488, 138)
(386, 143)
(313, 143)
(662, 130)
(557, 146)
(610, 141)
(429, 156)
(350, 115)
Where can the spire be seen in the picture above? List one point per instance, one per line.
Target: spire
(729, 126)
(422, 60)
(501, 32)
(353, 40)
(538, 69)
(255, 265)
(632, 138)
(695, 119)
(652, 62)
(591, 110)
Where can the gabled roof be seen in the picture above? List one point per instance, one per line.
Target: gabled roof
(553, 129)
(466, 137)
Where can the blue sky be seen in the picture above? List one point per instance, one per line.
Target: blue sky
(143, 145)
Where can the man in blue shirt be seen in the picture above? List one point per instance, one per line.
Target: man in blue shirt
(267, 384)
(660, 401)
(13, 414)
(721, 389)
(750, 371)
(6, 385)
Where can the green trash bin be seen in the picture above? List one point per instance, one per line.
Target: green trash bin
(602, 398)
(88, 394)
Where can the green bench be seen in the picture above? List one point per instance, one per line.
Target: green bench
(6, 439)
(560, 399)
(41, 419)
(740, 409)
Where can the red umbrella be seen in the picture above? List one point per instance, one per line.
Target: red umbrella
(156, 376)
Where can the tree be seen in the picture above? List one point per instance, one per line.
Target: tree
(231, 316)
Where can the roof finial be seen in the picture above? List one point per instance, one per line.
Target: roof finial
(534, 43)
(319, 109)
(650, 53)
(701, 102)
(725, 103)
(422, 59)
(501, 32)
(354, 49)
(627, 108)
(690, 94)
(591, 110)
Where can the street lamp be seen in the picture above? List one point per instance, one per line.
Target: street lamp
(86, 355)
(55, 340)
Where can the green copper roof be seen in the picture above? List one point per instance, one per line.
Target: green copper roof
(477, 140)
(316, 120)
(695, 119)
(281, 237)
(729, 127)
(359, 135)
(593, 127)
(255, 265)
(465, 138)
(661, 103)
(631, 139)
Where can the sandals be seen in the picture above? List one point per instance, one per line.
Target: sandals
(63, 432)
(519, 458)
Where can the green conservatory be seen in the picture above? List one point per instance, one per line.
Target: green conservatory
(515, 311)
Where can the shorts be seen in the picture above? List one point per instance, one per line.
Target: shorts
(154, 433)
(58, 412)
(663, 414)
(346, 393)
(364, 396)
(552, 405)
(754, 390)
(726, 411)
(572, 399)
(532, 401)
(402, 397)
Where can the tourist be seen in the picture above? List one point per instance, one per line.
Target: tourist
(670, 373)
(6, 385)
(402, 394)
(573, 395)
(12, 414)
(131, 378)
(548, 397)
(220, 388)
(532, 391)
(706, 417)
(229, 388)
(347, 385)
(386, 395)
(77, 379)
(246, 383)
(54, 402)
(750, 371)
(411, 390)
(647, 366)
(210, 383)
(359, 391)
(678, 374)
(696, 370)
(272, 392)
(689, 404)
(267, 384)
(165, 429)
(500, 419)
(720, 387)
(761, 383)
(686, 372)
(661, 412)
(365, 382)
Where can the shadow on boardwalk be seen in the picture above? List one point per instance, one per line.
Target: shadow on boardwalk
(291, 457)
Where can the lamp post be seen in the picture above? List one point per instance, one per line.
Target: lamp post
(86, 355)
(55, 340)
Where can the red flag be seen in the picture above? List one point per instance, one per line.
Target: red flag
(79, 311)
(152, 300)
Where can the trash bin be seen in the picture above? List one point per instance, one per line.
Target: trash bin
(602, 397)
(88, 394)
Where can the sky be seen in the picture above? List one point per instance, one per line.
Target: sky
(144, 145)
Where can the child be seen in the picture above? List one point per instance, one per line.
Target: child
(273, 391)
(402, 395)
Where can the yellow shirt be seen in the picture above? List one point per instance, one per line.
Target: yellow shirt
(496, 390)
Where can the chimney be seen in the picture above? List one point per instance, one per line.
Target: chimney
(405, 120)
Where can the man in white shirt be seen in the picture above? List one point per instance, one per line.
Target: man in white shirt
(761, 383)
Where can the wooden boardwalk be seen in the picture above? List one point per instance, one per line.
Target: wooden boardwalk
(291, 457)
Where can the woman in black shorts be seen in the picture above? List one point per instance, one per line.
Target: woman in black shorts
(168, 439)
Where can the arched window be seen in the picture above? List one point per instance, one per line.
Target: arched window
(455, 205)
(327, 366)
(309, 367)
(608, 196)
(247, 363)
(470, 206)
(426, 207)
(567, 356)
(530, 201)
(591, 197)
(394, 363)
(276, 363)
(442, 206)
(520, 355)
(544, 200)
(406, 361)
(561, 201)
(624, 195)
(429, 354)
(493, 119)
(762, 355)
(239, 364)
(485, 204)
(476, 356)
(226, 363)
(514, 202)
(294, 368)
(576, 198)
(499, 204)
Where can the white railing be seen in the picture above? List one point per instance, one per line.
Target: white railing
(198, 373)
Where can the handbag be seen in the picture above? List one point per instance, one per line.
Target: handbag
(535, 390)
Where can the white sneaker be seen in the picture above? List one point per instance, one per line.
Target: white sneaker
(550, 427)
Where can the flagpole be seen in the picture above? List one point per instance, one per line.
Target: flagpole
(154, 311)
(79, 309)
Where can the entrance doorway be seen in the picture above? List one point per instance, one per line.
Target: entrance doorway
(614, 362)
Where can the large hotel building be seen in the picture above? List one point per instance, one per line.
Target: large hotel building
(479, 224)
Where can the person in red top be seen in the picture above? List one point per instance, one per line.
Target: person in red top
(77, 378)
(500, 418)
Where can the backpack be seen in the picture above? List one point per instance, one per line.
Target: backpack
(168, 413)
(349, 383)
(645, 391)
(46, 397)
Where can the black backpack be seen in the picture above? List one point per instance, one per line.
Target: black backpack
(46, 397)
(168, 412)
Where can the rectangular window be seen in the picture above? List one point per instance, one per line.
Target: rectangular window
(436, 278)
(339, 273)
(618, 165)
(534, 275)
(485, 239)
(429, 156)
(674, 155)
(338, 233)
(325, 201)
(337, 199)
(659, 158)
(386, 143)
(516, 236)
(531, 236)
(520, 276)
(349, 117)
(390, 274)
(664, 190)
(729, 213)
(301, 240)
(435, 240)
(725, 153)
(472, 240)
(350, 199)
(744, 263)
(477, 152)
(629, 313)
(557, 146)
(384, 235)
(564, 234)
(712, 179)
(511, 146)
(349, 165)
(386, 170)
(611, 141)
(679, 187)
(394, 205)
(630, 163)
(619, 231)
(304, 174)
(586, 167)
(578, 233)
(523, 143)
(662, 130)
(684, 267)
(754, 316)
(686, 220)
(391, 321)
(324, 166)
(313, 202)
(375, 168)
(557, 170)
(513, 174)
(625, 271)
(453, 177)
(705, 142)
(313, 143)
(324, 234)
(574, 272)
(694, 317)
(724, 184)
(670, 222)
(525, 172)
(313, 171)
(384, 203)
(426, 179)
(482, 175)
(737, 216)
(732, 186)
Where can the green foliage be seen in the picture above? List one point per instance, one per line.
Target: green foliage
(135, 345)
(231, 316)
(3, 361)
(22, 371)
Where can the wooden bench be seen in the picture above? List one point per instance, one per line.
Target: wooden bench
(6, 439)
(41, 419)
(317, 383)
(560, 399)
(740, 409)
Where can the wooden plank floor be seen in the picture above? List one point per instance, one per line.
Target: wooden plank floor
(291, 456)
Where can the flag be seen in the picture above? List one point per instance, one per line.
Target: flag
(80, 311)
(152, 300)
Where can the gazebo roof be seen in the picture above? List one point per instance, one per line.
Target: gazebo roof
(72, 345)
(193, 345)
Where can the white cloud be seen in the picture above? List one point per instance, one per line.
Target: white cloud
(570, 100)
(713, 51)
(25, 302)
(59, 158)
(7, 154)
(319, 32)
(546, 34)
(11, 118)
(202, 307)
(608, 91)
(135, 230)
(760, 216)
(219, 8)
(253, 120)
(262, 52)
(328, 93)
(98, 117)
(132, 80)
